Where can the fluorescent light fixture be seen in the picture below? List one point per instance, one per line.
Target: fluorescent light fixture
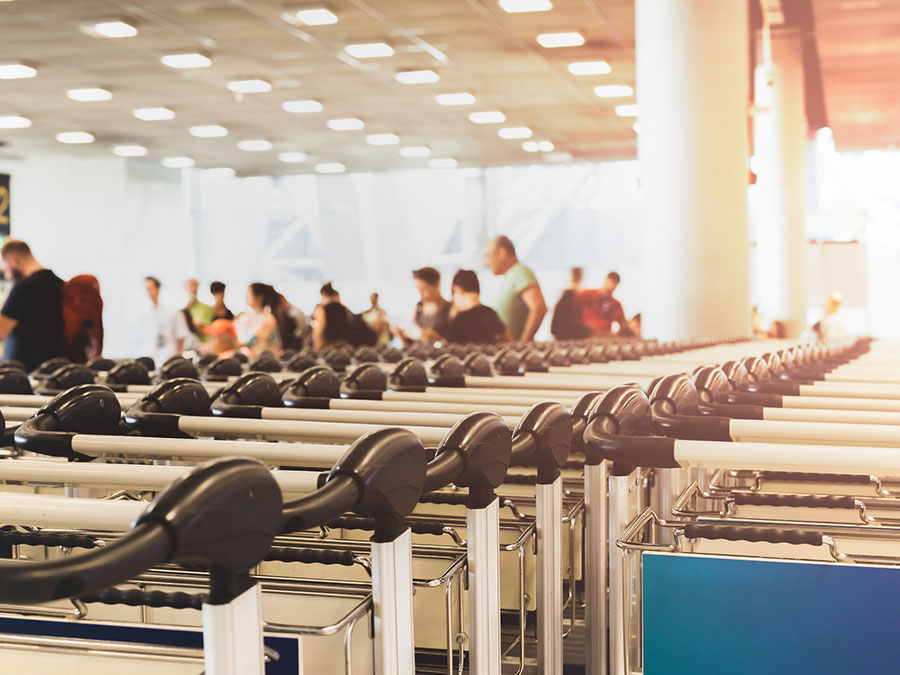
(14, 122)
(370, 50)
(154, 114)
(221, 172)
(558, 157)
(315, 16)
(302, 106)
(512, 133)
(456, 98)
(520, 6)
(442, 163)
(111, 28)
(292, 157)
(208, 131)
(186, 60)
(553, 40)
(546, 146)
(255, 145)
(129, 150)
(531, 146)
(251, 86)
(346, 124)
(613, 91)
(590, 68)
(16, 70)
(417, 77)
(330, 167)
(382, 139)
(178, 162)
(628, 110)
(75, 137)
(414, 151)
(89, 94)
(487, 117)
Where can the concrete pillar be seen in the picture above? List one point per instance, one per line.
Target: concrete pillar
(693, 88)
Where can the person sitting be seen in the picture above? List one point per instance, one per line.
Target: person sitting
(473, 322)
(601, 312)
(258, 329)
(223, 339)
(567, 323)
(333, 322)
(432, 314)
(219, 310)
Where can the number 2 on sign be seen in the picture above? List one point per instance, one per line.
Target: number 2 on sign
(4, 205)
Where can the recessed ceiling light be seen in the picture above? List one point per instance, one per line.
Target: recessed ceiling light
(316, 16)
(89, 94)
(186, 60)
(546, 146)
(178, 162)
(487, 117)
(292, 157)
(111, 28)
(346, 124)
(251, 86)
(518, 6)
(330, 167)
(75, 137)
(442, 163)
(382, 139)
(154, 114)
(221, 172)
(16, 70)
(552, 40)
(208, 131)
(14, 122)
(456, 98)
(514, 132)
(628, 110)
(255, 145)
(129, 150)
(613, 91)
(590, 68)
(531, 146)
(370, 50)
(302, 106)
(413, 151)
(417, 76)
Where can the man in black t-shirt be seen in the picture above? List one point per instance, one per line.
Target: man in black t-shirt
(473, 321)
(31, 324)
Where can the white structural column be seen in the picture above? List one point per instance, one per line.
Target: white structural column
(779, 157)
(692, 89)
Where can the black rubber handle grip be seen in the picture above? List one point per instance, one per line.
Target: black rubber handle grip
(774, 499)
(521, 479)
(368, 524)
(137, 598)
(740, 533)
(453, 498)
(798, 477)
(49, 539)
(322, 556)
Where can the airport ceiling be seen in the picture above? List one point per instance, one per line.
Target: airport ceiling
(470, 46)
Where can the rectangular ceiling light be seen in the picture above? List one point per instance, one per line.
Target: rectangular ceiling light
(255, 145)
(16, 70)
(370, 50)
(221, 172)
(382, 139)
(538, 146)
(442, 163)
(292, 157)
(417, 77)
(487, 117)
(346, 124)
(303, 106)
(627, 110)
(457, 98)
(180, 162)
(613, 91)
(110, 28)
(553, 40)
(414, 151)
(316, 16)
(590, 68)
(208, 131)
(154, 114)
(129, 150)
(251, 86)
(514, 132)
(186, 60)
(330, 167)
(519, 6)
(75, 137)
(89, 94)
(14, 122)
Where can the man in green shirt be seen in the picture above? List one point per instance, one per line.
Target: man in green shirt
(201, 313)
(520, 302)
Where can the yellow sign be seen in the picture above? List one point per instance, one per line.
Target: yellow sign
(4, 205)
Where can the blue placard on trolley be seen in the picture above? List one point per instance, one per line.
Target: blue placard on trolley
(287, 646)
(746, 616)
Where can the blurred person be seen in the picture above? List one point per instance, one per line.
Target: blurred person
(333, 324)
(432, 313)
(201, 313)
(520, 303)
(219, 310)
(293, 325)
(31, 322)
(257, 329)
(830, 326)
(376, 318)
(473, 322)
(166, 328)
(223, 339)
(601, 312)
(632, 327)
(567, 323)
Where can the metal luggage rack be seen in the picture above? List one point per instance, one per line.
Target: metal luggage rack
(725, 480)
